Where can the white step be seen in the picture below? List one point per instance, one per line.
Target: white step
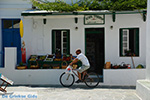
(143, 89)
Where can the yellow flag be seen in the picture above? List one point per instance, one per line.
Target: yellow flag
(21, 28)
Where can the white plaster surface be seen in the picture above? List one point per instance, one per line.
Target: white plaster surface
(116, 77)
(123, 77)
(143, 89)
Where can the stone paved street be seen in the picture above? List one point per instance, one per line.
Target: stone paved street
(76, 92)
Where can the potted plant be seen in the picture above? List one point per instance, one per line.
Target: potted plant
(21, 66)
(127, 52)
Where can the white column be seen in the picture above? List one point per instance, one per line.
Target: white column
(148, 42)
(142, 86)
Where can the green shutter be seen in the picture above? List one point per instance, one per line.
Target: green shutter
(68, 42)
(121, 39)
(137, 42)
(53, 42)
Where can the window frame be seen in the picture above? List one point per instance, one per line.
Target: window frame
(54, 39)
(137, 42)
(12, 23)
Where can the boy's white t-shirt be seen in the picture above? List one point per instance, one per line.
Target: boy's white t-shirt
(83, 59)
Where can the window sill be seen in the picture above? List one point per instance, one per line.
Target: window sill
(129, 56)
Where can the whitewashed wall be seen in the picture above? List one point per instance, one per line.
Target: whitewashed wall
(35, 32)
(13, 8)
(38, 36)
(10, 9)
(112, 38)
(51, 76)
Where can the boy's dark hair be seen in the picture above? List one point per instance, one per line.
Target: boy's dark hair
(78, 50)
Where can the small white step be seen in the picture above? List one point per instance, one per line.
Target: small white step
(143, 89)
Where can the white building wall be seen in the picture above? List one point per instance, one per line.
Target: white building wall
(13, 8)
(143, 86)
(147, 42)
(42, 33)
(10, 9)
(37, 37)
(112, 45)
(36, 31)
(121, 77)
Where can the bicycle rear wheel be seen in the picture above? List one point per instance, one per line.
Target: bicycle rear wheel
(92, 80)
(66, 79)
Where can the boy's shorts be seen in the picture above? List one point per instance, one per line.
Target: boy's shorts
(83, 68)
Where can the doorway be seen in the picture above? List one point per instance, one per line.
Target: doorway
(94, 49)
(11, 36)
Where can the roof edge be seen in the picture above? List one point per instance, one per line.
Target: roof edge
(92, 12)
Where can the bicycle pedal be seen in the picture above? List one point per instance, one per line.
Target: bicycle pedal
(79, 81)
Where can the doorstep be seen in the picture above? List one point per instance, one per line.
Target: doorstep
(143, 89)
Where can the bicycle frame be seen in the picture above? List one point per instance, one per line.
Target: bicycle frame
(84, 73)
(75, 73)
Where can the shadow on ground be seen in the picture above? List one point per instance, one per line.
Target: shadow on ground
(81, 86)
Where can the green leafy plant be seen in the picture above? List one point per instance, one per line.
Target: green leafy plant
(82, 5)
(21, 64)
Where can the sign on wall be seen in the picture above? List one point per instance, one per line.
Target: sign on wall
(94, 19)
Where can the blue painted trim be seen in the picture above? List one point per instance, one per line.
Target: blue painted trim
(3, 39)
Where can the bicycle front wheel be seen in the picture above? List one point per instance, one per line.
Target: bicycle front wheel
(66, 79)
(92, 80)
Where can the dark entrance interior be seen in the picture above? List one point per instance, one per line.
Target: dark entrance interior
(95, 49)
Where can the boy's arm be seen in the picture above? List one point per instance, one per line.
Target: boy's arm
(74, 61)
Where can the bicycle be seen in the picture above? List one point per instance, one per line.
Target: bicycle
(67, 79)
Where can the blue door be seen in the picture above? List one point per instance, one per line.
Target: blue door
(1, 59)
(11, 36)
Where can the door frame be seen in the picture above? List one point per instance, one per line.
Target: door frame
(13, 29)
(94, 33)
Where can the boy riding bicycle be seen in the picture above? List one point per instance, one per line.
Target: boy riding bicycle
(85, 63)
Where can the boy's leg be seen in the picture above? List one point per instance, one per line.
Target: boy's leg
(83, 75)
(80, 70)
(79, 75)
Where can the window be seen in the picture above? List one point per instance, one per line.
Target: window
(11, 23)
(61, 42)
(16, 23)
(7, 24)
(129, 42)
